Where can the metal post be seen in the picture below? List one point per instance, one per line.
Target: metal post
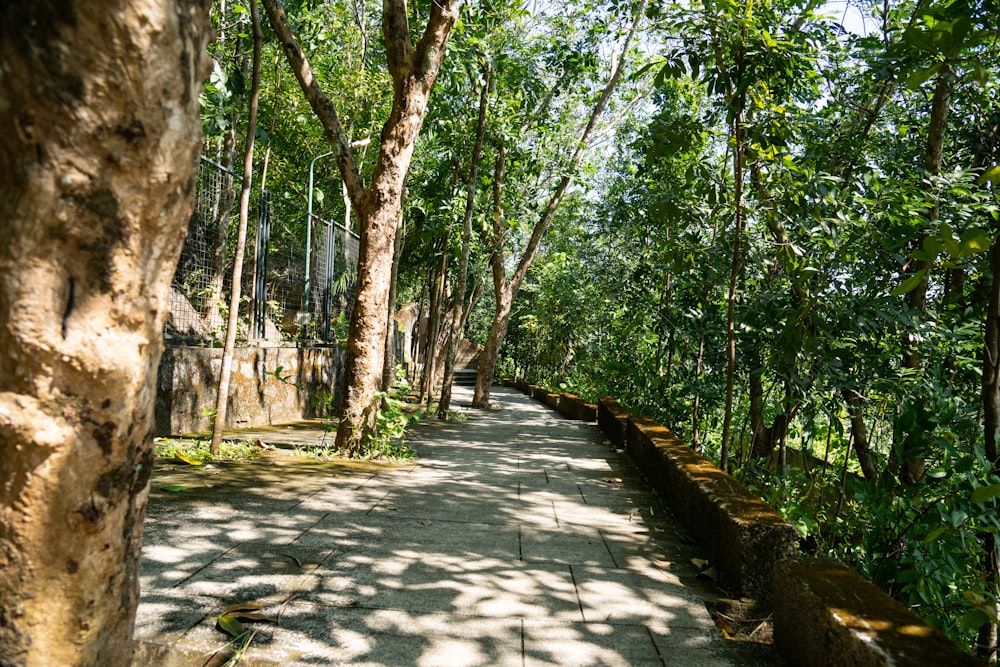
(309, 220)
(331, 246)
(260, 284)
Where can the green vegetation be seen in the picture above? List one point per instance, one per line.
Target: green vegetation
(783, 244)
(195, 451)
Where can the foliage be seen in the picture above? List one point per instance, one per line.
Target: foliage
(846, 226)
(195, 451)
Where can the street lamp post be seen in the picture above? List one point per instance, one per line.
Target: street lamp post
(308, 283)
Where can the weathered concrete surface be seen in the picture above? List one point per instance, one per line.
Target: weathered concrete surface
(188, 378)
(517, 538)
(573, 407)
(743, 536)
(613, 420)
(826, 615)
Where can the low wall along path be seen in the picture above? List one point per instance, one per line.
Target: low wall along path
(518, 537)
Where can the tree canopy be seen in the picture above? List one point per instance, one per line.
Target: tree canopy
(779, 238)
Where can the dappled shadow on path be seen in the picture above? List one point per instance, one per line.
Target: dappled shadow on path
(518, 538)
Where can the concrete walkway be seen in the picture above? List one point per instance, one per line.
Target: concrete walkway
(517, 538)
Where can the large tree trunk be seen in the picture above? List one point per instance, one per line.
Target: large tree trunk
(413, 69)
(99, 138)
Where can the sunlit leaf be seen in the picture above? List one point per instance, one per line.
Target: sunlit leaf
(173, 488)
(231, 625)
(188, 460)
(991, 175)
(909, 284)
(975, 241)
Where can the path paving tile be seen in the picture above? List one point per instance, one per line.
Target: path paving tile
(516, 538)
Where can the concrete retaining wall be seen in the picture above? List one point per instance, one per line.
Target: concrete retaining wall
(188, 377)
(740, 534)
(572, 407)
(827, 615)
(612, 419)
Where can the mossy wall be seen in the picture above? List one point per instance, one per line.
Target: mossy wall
(188, 379)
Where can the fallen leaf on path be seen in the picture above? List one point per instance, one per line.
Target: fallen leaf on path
(188, 460)
(230, 625)
(425, 522)
(173, 488)
(724, 626)
(709, 574)
(297, 561)
(699, 563)
(612, 480)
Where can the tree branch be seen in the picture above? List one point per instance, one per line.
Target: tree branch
(321, 105)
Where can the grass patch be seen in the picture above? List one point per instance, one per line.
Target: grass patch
(196, 449)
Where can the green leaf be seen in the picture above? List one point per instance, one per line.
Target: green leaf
(984, 493)
(991, 175)
(973, 620)
(173, 488)
(231, 625)
(974, 241)
(918, 78)
(934, 535)
(909, 284)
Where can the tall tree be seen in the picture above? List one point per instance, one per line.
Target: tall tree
(99, 137)
(505, 290)
(413, 69)
(458, 307)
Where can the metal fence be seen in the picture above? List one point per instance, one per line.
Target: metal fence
(284, 247)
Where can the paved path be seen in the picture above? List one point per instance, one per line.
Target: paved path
(517, 538)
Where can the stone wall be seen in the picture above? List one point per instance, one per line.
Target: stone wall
(188, 377)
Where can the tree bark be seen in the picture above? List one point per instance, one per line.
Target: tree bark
(987, 641)
(859, 434)
(413, 69)
(225, 372)
(99, 140)
(389, 366)
(434, 325)
(734, 274)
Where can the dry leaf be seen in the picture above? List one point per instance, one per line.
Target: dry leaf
(709, 573)
(699, 563)
(726, 628)
(188, 460)
(425, 522)
(612, 480)
(243, 606)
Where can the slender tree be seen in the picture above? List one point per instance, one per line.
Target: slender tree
(506, 289)
(225, 372)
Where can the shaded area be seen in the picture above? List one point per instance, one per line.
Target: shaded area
(517, 538)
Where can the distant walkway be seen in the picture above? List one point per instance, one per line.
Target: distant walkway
(517, 539)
